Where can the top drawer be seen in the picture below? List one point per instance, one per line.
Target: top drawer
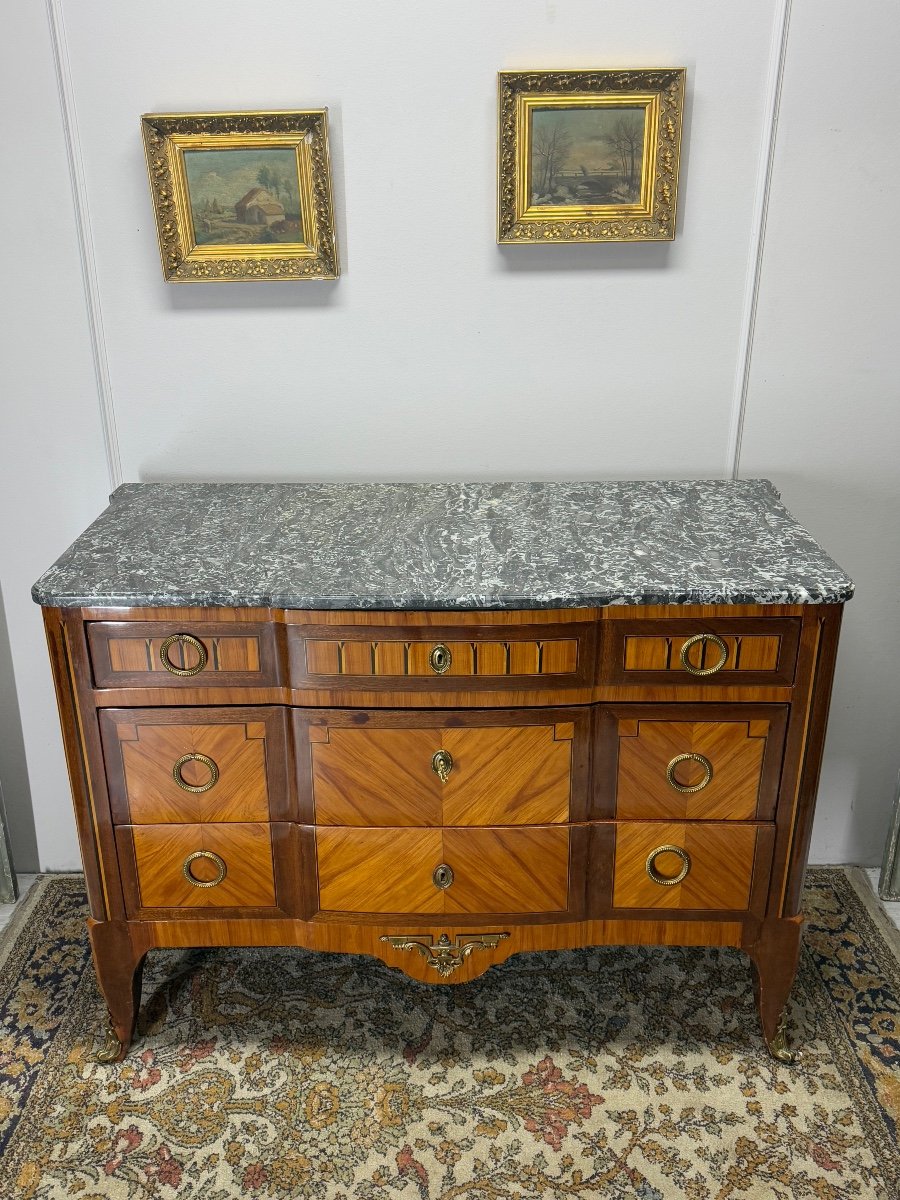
(190, 654)
(692, 651)
(443, 658)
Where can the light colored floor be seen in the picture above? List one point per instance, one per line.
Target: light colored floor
(6, 910)
(892, 908)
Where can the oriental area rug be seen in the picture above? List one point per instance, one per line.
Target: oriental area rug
(610, 1072)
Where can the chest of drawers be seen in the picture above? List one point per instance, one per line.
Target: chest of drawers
(458, 775)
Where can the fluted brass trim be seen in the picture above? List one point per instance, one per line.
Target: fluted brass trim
(188, 640)
(661, 879)
(194, 787)
(682, 787)
(445, 956)
(200, 883)
(704, 637)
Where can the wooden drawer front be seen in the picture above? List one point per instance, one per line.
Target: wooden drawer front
(161, 851)
(382, 774)
(757, 651)
(519, 657)
(245, 747)
(130, 654)
(494, 870)
(736, 763)
(719, 876)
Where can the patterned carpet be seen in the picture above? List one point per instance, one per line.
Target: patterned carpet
(615, 1073)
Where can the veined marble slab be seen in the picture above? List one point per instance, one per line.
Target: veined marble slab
(444, 546)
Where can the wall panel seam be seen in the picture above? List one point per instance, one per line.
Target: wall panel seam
(84, 230)
(780, 29)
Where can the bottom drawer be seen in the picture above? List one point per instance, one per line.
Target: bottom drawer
(427, 871)
(203, 866)
(686, 865)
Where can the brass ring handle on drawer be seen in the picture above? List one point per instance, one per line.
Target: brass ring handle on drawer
(703, 638)
(192, 787)
(683, 787)
(440, 659)
(442, 877)
(213, 858)
(442, 765)
(184, 639)
(662, 880)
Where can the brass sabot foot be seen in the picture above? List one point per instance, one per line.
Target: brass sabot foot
(778, 1046)
(111, 1050)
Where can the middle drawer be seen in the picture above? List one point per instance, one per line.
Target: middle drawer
(434, 769)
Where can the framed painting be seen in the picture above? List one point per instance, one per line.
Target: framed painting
(242, 196)
(589, 156)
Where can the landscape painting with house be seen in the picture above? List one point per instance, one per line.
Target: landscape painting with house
(582, 156)
(244, 196)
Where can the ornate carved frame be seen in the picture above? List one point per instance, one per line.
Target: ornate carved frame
(652, 218)
(168, 135)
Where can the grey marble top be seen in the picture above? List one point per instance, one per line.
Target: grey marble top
(444, 546)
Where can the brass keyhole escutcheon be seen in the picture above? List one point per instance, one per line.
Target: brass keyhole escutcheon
(183, 639)
(701, 639)
(668, 880)
(442, 877)
(684, 787)
(440, 659)
(196, 787)
(442, 765)
(219, 863)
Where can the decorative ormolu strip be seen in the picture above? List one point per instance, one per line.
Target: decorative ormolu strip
(446, 956)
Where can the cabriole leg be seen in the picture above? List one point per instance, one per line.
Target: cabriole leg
(774, 957)
(119, 967)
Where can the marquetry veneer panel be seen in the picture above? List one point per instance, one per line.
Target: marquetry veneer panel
(517, 775)
(521, 870)
(160, 852)
(721, 865)
(129, 654)
(400, 658)
(742, 746)
(649, 651)
(520, 656)
(246, 745)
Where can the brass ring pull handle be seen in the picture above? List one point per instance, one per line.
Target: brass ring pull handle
(184, 639)
(703, 638)
(442, 877)
(213, 858)
(440, 659)
(442, 765)
(193, 787)
(683, 787)
(663, 880)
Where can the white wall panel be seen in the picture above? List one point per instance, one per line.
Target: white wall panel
(438, 354)
(53, 476)
(823, 418)
(521, 362)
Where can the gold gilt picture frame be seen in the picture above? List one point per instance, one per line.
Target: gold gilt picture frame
(589, 156)
(242, 196)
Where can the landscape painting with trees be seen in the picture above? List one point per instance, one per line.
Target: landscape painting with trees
(584, 156)
(244, 196)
